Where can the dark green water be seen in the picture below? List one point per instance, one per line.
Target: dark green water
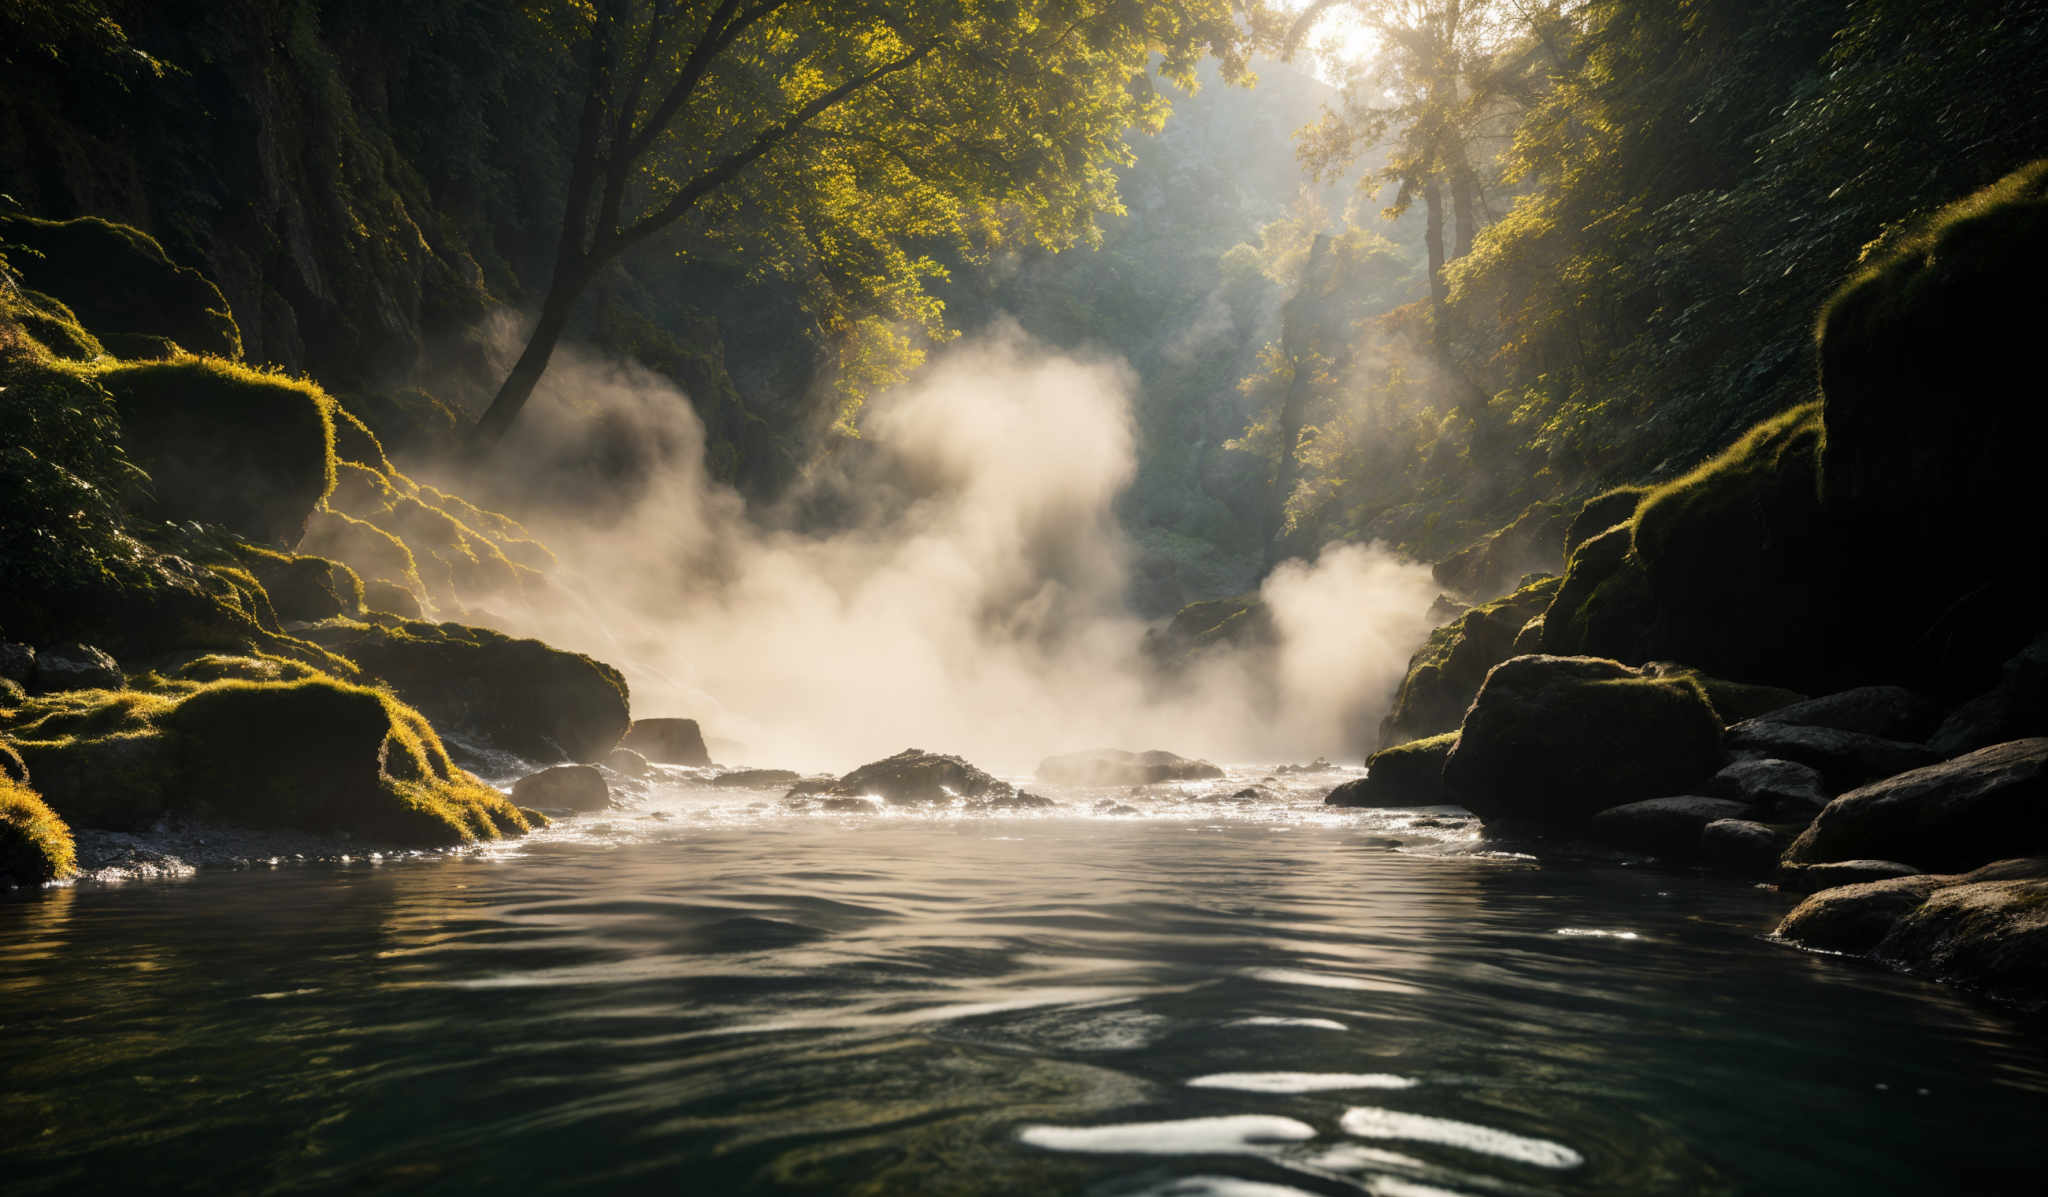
(706, 998)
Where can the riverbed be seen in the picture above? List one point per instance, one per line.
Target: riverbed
(1170, 991)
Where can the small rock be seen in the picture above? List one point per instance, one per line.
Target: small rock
(1844, 759)
(668, 741)
(564, 787)
(1786, 789)
(1741, 846)
(1855, 918)
(17, 662)
(1812, 878)
(627, 762)
(1410, 774)
(74, 666)
(1666, 826)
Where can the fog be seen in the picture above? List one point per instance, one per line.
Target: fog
(968, 597)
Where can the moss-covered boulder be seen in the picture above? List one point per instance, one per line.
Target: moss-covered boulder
(1531, 543)
(1603, 511)
(121, 285)
(1409, 774)
(521, 696)
(1240, 621)
(1444, 676)
(1986, 929)
(35, 845)
(226, 444)
(312, 754)
(1724, 568)
(1554, 740)
(305, 588)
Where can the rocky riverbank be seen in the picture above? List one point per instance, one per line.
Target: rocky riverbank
(1874, 548)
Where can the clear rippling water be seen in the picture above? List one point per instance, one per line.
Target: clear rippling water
(1263, 998)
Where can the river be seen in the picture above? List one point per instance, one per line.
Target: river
(1203, 997)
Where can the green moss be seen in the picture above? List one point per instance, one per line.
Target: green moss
(226, 444)
(1444, 676)
(35, 845)
(119, 281)
(1601, 512)
(46, 319)
(295, 749)
(369, 550)
(303, 587)
(355, 443)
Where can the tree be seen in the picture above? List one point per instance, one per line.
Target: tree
(836, 142)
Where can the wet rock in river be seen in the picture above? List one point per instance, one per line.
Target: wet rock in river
(1115, 767)
(1786, 789)
(1954, 815)
(1666, 826)
(1845, 759)
(564, 787)
(914, 777)
(1812, 878)
(1741, 846)
(668, 741)
(626, 762)
(758, 779)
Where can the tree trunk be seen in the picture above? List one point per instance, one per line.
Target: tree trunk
(1439, 290)
(519, 384)
(1298, 340)
(1464, 203)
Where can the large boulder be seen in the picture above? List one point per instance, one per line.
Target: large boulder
(521, 696)
(1115, 767)
(1844, 759)
(1664, 826)
(312, 754)
(1532, 542)
(2013, 709)
(1888, 712)
(1554, 740)
(1409, 774)
(1954, 815)
(1987, 929)
(1445, 674)
(563, 788)
(914, 777)
(1601, 513)
(226, 444)
(668, 741)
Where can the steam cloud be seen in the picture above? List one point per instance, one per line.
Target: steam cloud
(971, 602)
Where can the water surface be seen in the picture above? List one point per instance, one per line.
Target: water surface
(1251, 998)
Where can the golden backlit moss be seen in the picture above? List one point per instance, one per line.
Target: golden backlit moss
(35, 845)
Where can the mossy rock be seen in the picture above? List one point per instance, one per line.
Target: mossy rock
(1931, 377)
(1531, 543)
(1410, 774)
(305, 588)
(1552, 741)
(225, 444)
(521, 696)
(381, 559)
(1726, 569)
(35, 845)
(312, 754)
(119, 281)
(1241, 621)
(47, 319)
(1601, 512)
(1445, 675)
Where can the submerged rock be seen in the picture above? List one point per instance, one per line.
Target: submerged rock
(914, 777)
(1554, 740)
(1954, 815)
(757, 779)
(1409, 774)
(1115, 767)
(1741, 846)
(74, 666)
(668, 741)
(564, 787)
